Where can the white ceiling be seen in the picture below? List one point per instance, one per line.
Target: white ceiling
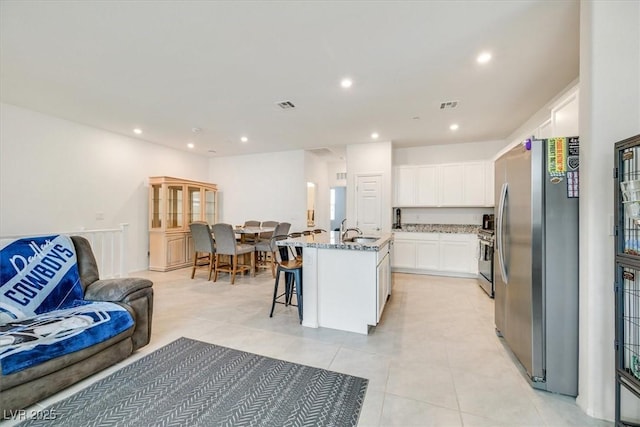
(170, 66)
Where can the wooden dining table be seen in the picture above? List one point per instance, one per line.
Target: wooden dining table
(244, 232)
(251, 231)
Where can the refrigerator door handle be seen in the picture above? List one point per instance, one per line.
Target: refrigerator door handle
(500, 233)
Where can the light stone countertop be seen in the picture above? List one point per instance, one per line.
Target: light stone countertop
(439, 228)
(331, 240)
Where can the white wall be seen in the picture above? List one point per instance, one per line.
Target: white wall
(447, 153)
(57, 175)
(609, 112)
(364, 159)
(333, 168)
(264, 187)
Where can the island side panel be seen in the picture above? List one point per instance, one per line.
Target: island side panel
(347, 292)
(310, 287)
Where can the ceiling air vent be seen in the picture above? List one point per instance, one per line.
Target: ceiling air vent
(286, 105)
(448, 105)
(322, 152)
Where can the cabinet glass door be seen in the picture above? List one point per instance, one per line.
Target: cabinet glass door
(156, 203)
(210, 206)
(195, 207)
(174, 206)
(629, 178)
(628, 321)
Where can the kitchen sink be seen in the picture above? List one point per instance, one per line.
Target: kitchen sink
(361, 239)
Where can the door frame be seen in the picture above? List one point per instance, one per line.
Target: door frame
(356, 192)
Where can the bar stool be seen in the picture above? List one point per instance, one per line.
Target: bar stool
(298, 253)
(267, 248)
(292, 270)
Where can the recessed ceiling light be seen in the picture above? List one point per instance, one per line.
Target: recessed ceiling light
(137, 131)
(484, 57)
(454, 126)
(346, 83)
(244, 139)
(191, 145)
(375, 135)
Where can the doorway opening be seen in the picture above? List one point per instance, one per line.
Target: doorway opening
(311, 204)
(338, 206)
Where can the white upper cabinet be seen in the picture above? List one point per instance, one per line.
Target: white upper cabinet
(473, 184)
(444, 185)
(563, 120)
(489, 181)
(452, 188)
(428, 185)
(545, 130)
(564, 117)
(406, 178)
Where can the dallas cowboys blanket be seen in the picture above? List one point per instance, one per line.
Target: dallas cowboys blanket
(42, 311)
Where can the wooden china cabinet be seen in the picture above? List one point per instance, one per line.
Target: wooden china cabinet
(174, 203)
(627, 281)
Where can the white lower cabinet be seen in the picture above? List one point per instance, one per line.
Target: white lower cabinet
(427, 254)
(457, 253)
(436, 253)
(404, 254)
(384, 282)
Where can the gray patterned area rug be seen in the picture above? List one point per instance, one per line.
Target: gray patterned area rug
(192, 383)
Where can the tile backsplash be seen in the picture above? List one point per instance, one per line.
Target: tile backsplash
(440, 228)
(443, 215)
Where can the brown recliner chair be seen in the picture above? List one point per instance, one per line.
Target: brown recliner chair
(26, 387)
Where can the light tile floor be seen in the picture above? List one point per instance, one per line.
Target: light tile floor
(434, 360)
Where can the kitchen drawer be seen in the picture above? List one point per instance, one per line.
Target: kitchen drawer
(405, 235)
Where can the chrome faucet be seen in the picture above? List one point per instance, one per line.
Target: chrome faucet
(342, 226)
(344, 234)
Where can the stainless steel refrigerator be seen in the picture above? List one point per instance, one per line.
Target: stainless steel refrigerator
(536, 260)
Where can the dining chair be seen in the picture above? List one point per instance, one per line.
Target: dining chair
(268, 234)
(292, 269)
(226, 245)
(250, 238)
(204, 249)
(267, 248)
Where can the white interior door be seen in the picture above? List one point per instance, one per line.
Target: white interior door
(369, 203)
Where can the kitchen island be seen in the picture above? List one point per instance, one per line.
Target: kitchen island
(345, 284)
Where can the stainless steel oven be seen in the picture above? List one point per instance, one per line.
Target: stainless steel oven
(485, 261)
